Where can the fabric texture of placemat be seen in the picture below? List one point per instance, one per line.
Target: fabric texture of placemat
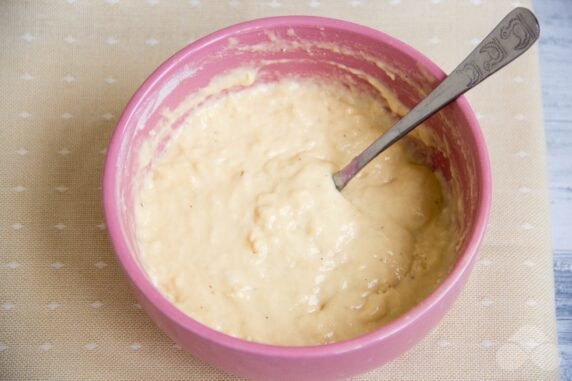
(68, 67)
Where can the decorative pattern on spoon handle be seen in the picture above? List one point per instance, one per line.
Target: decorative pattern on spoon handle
(512, 37)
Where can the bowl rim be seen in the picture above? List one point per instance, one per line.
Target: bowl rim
(138, 277)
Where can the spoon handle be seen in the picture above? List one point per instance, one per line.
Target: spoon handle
(516, 32)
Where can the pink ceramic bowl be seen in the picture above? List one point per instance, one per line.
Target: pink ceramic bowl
(459, 150)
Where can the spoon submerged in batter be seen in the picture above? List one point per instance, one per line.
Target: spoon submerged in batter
(516, 32)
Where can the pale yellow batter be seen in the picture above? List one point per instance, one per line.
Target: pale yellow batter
(240, 226)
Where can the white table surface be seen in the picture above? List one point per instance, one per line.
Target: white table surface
(555, 64)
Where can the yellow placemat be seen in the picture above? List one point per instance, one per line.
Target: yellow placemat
(68, 67)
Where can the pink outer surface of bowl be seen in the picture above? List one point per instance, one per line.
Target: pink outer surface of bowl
(191, 69)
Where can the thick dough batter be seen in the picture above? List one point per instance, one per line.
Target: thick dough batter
(240, 226)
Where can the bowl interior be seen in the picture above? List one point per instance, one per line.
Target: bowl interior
(447, 141)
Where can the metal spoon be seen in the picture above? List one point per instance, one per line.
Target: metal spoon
(516, 32)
